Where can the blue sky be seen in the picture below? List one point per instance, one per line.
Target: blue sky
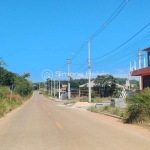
(41, 34)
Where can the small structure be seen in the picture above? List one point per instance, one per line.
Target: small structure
(64, 87)
(144, 73)
(92, 84)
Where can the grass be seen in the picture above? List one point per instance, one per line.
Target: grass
(100, 100)
(70, 102)
(110, 110)
(7, 105)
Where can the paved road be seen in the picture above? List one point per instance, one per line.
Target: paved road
(42, 124)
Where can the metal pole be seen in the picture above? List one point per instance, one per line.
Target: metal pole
(135, 65)
(69, 79)
(140, 66)
(144, 63)
(89, 71)
(140, 56)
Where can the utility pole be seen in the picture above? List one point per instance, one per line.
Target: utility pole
(59, 84)
(51, 87)
(69, 94)
(54, 85)
(140, 66)
(48, 87)
(89, 71)
(11, 90)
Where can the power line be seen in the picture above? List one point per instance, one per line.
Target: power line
(116, 59)
(109, 20)
(126, 54)
(123, 43)
(113, 16)
(124, 50)
(81, 66)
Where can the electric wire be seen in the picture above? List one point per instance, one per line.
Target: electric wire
(109, 20)
(124, 50)
(123, 43)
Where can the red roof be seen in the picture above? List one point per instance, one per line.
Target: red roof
(141, 72)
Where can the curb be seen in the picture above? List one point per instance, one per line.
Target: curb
(111, 115)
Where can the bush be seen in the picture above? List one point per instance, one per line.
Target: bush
(4, 91)
(138, 109)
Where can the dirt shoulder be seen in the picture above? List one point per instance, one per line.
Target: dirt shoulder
(139, 130)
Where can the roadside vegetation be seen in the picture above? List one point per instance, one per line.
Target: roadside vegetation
(120, 112)
(14, 89)
(137, 110)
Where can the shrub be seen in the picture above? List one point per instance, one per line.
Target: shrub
(138, 109)
(4, 91)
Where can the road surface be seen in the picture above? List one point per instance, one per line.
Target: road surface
(42, 124)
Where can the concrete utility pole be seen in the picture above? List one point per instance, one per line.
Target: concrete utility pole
(54, 85)
(59, 84)
(140, 66)
(11, 90)
(39, 85)
(51, 87)
(69, 94)
(48, 87)
(89, 71)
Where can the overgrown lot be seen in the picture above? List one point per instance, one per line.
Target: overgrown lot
(137, 111)
(7, 104)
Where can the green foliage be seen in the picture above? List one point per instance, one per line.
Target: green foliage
(109, 110)
(7, 105)
(74, 84)
(138, 109)
(2, 108)
(26, 75)
(120, 81)
(6, 78)
(2, 63)
(105, 85)
(4, 91)
(22, 86)
(93, 94)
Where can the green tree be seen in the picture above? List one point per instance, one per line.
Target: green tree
(105, 84)
(26, 75)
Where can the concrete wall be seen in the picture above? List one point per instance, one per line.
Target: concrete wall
(118, 102)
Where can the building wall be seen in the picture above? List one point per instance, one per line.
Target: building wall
(146, 81)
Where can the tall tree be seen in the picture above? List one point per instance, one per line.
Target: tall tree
(26, 75)
(105, 84)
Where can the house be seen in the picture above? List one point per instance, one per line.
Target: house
(64, 87)
(144, 73)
